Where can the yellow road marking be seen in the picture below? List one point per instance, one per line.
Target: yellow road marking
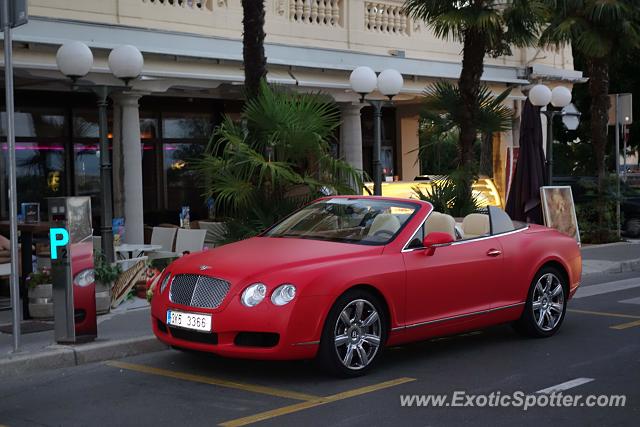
(213, 381)
(626, 325)
(313, 403)
(618, 315)
(601, 313)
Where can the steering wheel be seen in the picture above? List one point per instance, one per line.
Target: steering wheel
(383, 232)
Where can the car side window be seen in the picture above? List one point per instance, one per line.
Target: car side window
(416, 239)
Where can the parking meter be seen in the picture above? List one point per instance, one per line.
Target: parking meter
(72, 275)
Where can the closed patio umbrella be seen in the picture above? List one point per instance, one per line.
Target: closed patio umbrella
(523, 201)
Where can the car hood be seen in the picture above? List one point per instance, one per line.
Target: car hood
(258, 257)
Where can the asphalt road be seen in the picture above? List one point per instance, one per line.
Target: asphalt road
(596, 352)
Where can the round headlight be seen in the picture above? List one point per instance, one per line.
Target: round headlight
(84, 278)
(254, 294)
(283, 294)
(165, 282)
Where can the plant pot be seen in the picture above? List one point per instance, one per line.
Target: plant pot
(103, 297)
(41, 301)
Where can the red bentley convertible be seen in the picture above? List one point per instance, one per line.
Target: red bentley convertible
(346, 276)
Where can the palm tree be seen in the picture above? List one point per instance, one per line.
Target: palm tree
(258, 178)
(255, 62)
(483, 27)
(445, 110)
(594, 28)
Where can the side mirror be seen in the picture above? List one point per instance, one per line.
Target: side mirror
(436, 239)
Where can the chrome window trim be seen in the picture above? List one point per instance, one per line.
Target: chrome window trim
(458, 242)
(459, 316)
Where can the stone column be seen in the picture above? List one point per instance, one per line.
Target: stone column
(351, 134)
(132, 155)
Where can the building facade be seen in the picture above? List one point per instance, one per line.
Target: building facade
(193, 76)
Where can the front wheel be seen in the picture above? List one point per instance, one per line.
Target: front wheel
(546, 304)
(353, 334)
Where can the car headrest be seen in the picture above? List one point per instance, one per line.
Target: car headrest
(440, 222)
(474, 225)
(386, 222)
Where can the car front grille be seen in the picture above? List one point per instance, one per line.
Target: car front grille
(198, 291)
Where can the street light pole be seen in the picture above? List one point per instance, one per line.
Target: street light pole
(541, 96)
(106, 230)
(550, 115)
(377, 146)
(13, 200)
(75, 60)
(389, 83)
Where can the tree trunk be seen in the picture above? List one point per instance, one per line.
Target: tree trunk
(255, 62)
(469, 85)
(598, 69)
(486, 155)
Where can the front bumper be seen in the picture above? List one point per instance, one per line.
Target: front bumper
(291, 331)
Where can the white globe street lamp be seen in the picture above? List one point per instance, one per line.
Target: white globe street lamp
(126, 62)
(75, 60)
(540, 95)
(389, 83)
(363, 80)
(560, 97)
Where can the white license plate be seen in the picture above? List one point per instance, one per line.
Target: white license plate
(198, 322)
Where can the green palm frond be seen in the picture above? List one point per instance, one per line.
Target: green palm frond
(258, 177)
(443, 106)
(500, 23)
(594, 27)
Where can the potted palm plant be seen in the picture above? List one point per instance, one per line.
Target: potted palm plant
(40, 294)
(105, 276)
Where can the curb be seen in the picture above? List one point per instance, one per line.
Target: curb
(64, 356)
(605, 267)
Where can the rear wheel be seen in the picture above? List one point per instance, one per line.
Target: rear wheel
(353, 334)
(546, 306)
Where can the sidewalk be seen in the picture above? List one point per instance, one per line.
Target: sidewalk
(125, 331)
(610, 258)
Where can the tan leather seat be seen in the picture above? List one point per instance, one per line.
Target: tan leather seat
(440, 222)
(384, 222)
(475, 225)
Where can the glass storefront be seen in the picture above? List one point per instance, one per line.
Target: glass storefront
(57, 151)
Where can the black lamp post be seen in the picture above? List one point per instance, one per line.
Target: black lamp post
(389, 83)
(75, 60)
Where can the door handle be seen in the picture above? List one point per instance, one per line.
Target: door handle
(494, 252)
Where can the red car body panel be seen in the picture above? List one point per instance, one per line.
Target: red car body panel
(457, 288)
(84, 297)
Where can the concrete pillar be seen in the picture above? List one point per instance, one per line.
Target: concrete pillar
(351, 134)
(132, 155)
(408, 123)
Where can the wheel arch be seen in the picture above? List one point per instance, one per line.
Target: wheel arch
(561, 268)
(378, 294)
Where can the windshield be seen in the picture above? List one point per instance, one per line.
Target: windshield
(361, 221)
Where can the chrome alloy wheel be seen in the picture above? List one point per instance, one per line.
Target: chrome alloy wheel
(548, 302)
(357, 334)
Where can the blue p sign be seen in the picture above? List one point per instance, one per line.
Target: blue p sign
(59, 237)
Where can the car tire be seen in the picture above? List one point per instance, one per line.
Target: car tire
(546, 304)
(355, 323)
(632, 228)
